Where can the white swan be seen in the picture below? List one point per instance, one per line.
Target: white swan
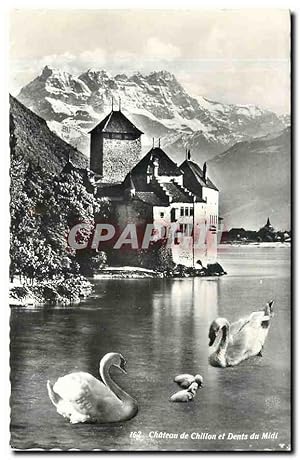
(240, 340)
(80, 397)
(185, 395)
(185, 380)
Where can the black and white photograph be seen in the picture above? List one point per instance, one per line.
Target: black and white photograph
(150, 230)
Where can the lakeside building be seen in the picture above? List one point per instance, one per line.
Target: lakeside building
(154, 189)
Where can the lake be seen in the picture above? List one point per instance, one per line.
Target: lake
(161, 327)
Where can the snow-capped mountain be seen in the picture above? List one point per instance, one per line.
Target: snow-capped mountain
(157, 103)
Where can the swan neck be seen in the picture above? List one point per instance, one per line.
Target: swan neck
(111, 384)
(225, 337)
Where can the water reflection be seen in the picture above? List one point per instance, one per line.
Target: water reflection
(161, 327)
(179, 318)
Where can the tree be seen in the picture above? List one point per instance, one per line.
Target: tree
(44, 208)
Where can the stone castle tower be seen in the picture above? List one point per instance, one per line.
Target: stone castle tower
(115, 147)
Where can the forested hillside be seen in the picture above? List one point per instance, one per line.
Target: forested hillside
(44, 206)
(36, 142)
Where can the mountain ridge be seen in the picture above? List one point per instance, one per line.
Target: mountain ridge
(243, 145)
(156, 102)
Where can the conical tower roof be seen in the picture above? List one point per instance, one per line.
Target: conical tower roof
(116, 122)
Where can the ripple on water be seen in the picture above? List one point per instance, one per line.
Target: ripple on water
(161, 328)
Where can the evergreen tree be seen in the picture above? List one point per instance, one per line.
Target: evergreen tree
(43, 210)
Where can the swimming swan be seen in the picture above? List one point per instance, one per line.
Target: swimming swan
(185, 395)
(80, 397)
(240, 340)
(185, 380)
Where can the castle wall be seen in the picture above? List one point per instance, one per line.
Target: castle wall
(211, 216)
(119, 157)
(96, 158)
(203, 240)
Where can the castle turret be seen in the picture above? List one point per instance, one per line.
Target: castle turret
(115, 147)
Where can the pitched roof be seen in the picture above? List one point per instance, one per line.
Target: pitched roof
(196, 174)
(177, 193)
(151, 198)
(154, 192)
(110, 190)
(147, 194)
(166, 167)
(116, 122)
(150, 193)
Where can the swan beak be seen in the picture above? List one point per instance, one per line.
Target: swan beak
(122, 366)
(271, 303)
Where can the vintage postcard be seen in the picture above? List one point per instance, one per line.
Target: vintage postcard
(150, 251)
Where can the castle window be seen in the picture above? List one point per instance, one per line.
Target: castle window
(181, 212)
(173, 216)
(186, 213)
(185, 229)
(191, 211)
(162, 214)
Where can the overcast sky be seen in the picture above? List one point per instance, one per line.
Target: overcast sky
(234, 56)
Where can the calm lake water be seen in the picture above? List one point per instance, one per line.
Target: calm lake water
(161, 327)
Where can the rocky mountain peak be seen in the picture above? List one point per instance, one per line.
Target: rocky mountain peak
(56, 77)
(46, 72)
(164, 75)
(95, 79)
(163, 78)
(156, 102)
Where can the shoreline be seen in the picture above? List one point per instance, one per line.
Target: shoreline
(73, 290)
(252, 244)
(52, 292)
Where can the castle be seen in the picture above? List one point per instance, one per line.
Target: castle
(115, 147)
(155, 189)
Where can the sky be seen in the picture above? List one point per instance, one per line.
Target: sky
(231, 56)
